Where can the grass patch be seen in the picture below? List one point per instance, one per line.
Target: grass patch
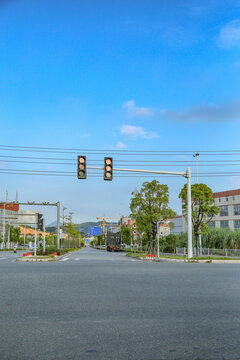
(50, 251)
(177, 257)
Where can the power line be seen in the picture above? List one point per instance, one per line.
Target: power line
(116, 151)
(135, 163)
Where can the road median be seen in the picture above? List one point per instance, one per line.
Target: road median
(181, 259)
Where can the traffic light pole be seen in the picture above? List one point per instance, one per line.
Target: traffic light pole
(186, 174)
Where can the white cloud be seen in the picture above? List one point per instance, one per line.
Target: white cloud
(205, 113)
(137, 131)
(229, 36)
(121, 145)
(134, 111)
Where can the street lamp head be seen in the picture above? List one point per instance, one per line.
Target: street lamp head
(195, 155)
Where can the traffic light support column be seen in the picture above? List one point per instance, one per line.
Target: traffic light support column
(189, 213)
(186, 174)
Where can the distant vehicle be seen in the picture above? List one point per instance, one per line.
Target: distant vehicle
(113, 242)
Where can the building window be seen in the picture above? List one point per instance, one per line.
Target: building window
(226, 198)
(236, 224)
(219, 199)
(224, 224)
(233, 197)
(211, 224)
(224, 210)
(236, 209)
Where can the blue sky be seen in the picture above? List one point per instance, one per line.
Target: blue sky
(135, 75)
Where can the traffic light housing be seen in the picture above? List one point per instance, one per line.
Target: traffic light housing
(82, 167)
(154, 228)
(108, 168)
(40, 222)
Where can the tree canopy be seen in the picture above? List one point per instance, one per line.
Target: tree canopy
(148, 204)
(203, 208)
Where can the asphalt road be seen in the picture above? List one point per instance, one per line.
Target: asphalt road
(99, 305)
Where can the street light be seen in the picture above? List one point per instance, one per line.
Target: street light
(196, 156)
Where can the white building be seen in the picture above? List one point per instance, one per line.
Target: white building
(228, 217)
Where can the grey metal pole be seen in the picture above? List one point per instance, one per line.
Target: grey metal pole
(44, 245)
(35, 238)
(58, 225)
(189, 213)
(24, 236)
(8, 246)
(4, 222)
(158, 244)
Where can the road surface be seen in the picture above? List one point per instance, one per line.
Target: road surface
(99, 305)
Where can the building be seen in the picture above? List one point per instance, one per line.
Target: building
(228, 217)
(178, 225)
(163, 228)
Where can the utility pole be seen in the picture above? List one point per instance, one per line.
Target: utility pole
(58, 225)
(44, 244)
(63, 209)
(35, 237)
(158, 238)
(8, 243)
(200, 235)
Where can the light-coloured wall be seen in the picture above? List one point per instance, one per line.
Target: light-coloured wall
(178, 225)
(228, 201)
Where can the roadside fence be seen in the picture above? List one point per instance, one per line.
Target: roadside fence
(211, 252)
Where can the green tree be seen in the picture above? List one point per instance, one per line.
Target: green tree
(149, 204)
(203, 209)
(126, 234)
(71, 230)
(14, 234)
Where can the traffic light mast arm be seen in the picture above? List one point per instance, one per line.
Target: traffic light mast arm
(184, 173)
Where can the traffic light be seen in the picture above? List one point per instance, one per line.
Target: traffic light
(154, 228)
(82, 167)
(40, 222)
(108, 168)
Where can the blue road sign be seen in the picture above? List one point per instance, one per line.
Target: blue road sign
(96, 230)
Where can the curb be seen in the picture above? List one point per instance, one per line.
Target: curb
(186, 261)
(57, 258)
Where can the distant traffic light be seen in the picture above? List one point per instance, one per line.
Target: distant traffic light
(82, 167)
(40, 222)
(154, 228)
(108, 168)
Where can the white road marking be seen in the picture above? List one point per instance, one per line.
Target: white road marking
(65, 259)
